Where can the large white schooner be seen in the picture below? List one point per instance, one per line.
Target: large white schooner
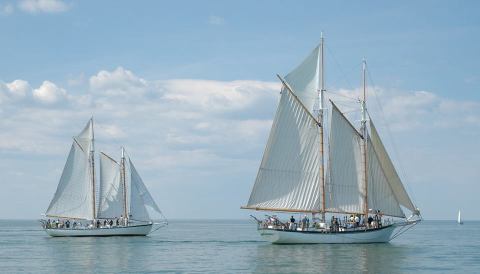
(117, 205)
(359, 187)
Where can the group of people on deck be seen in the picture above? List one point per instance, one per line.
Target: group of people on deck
(67, 224)
(336, 224)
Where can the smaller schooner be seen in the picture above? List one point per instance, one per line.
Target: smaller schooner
(359, 189)
(118, 205)
(459, 218)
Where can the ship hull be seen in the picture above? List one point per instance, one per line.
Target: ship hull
(277, 236)
(136, 230)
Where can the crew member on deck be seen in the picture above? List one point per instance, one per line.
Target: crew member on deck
(292, 222)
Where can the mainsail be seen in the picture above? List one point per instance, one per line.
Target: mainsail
(344, 184)
(74, 197)
(288, 177)
(111, 189)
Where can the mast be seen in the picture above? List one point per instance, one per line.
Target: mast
(320, 119)
(365, 136)
(124, 184)
(92, 170)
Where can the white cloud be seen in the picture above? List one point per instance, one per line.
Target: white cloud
(49, 93)
(117, 82)
(216, 20)
(411, 110)
(46, 6)
(16, 90)
(19, 88)
(216, 95)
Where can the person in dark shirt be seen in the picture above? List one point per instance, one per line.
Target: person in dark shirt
(370, 220)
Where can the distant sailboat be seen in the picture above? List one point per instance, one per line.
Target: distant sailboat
(360, 183)
(115, 206)
(459, 218)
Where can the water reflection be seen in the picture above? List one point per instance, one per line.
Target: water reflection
(329, 258)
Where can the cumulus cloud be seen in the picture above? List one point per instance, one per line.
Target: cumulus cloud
(217, 120)
(409, 110)
(14, 91)
(216, 95)
(117, 82)
(19, 88)
(49, 93)
(45, 6)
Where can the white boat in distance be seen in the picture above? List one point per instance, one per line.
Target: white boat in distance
(118, 205)
(459, 218)
(359, 189)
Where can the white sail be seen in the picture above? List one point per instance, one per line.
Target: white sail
(380, 194)
(140, 201)
(344, 186)
(304, 79)
(85, 138)
(288, 178)
(111, 198)
(142, 191)
(389, 171)
(459, 219)
(74, 197)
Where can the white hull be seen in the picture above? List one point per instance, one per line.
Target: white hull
(137, 230)
(382, 235)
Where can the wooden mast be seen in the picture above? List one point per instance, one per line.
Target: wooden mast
(320, 119)
(365, 139)
(92, 171)
(122, 167)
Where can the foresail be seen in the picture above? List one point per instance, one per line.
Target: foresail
(74, 196)
(111, 198)
(143, 191)
(288, 178)
(140, 202)
(344, 185)
(304, 79)
(380, 194)
(390, 172)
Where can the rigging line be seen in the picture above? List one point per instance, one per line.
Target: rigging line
(342, 95)
(401, 231)
(390, 135)
(339, 67)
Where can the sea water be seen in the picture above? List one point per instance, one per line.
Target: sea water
(228, 246)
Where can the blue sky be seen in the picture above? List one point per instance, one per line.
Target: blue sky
(190, 89)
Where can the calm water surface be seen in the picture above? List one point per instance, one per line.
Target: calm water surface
(234, 246)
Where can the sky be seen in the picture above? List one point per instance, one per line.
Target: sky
(190, 89)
